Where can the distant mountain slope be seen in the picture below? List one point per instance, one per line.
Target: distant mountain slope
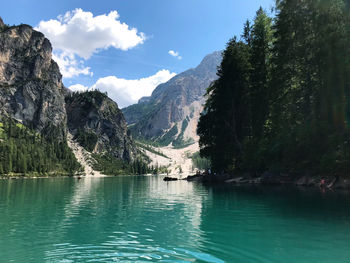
(99, 125)
(170, 115)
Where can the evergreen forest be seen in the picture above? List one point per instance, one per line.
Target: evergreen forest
(26, 152)
(281, 100)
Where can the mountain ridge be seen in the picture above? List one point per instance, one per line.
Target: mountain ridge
(173, 105)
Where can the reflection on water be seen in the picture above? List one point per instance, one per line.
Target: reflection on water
(144, 219)
(82, 191)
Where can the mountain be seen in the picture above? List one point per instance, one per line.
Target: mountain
(37, 113)
(171, 114)
(31, 89)
(99, 124)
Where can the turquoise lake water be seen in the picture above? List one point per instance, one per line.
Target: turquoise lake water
(143, 219)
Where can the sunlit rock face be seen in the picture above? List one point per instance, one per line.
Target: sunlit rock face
(31, 88)
(174, 101)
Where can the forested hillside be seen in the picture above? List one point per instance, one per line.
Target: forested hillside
(24, 151)
(280, 103)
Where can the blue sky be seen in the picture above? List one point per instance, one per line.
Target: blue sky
(129, 64)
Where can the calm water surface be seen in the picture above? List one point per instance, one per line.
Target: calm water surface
(143, 219)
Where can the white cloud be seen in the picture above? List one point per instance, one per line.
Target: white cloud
(69, 65)
(174, 54)
(78, 88)
(128, 91)
(81, 34)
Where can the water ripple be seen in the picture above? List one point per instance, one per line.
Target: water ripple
(143, 219)
(119, 252)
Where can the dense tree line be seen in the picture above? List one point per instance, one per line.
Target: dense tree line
(280, 102)
(110, 165)
(90, 97)
(87, 139)
(200, 162)
(24, 151)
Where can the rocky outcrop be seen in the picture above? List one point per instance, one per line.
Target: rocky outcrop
(144, 99)
(94, 115)
(31, 89)
(174, 101)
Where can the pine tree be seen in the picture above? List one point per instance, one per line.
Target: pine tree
(223, 125)
(260, 59)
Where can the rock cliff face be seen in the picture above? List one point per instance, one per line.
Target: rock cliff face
(93, 115)
(31, 89)
(173, 102)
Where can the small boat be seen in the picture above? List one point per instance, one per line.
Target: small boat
(170, 179)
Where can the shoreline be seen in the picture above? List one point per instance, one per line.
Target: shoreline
(19, 176)
(78, 176)
(328, 182)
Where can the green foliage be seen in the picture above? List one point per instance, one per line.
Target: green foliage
(87, 139)
(183, 144)
(23, 151)
(156, 169)
(168, 137)
(2, 131)
(138, 111)
(145, 141)
(179, 142)
(150, 149)
(280, 102)
(110, 165)
(179, 168)
(4, 28)
(224, 123)
(91, 98)
(200, 162)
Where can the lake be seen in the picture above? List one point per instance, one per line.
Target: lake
(143, 219)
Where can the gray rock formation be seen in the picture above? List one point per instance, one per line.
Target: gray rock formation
(154, 116)
(31, 91)
(94, 113)
(31, 88)
(144, 99)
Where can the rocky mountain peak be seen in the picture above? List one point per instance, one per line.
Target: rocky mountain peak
(177, 102)
(31, 88)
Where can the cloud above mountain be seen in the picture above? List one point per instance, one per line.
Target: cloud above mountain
(127, 91)
(78, 88)
(174, 54)
(79, 34)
